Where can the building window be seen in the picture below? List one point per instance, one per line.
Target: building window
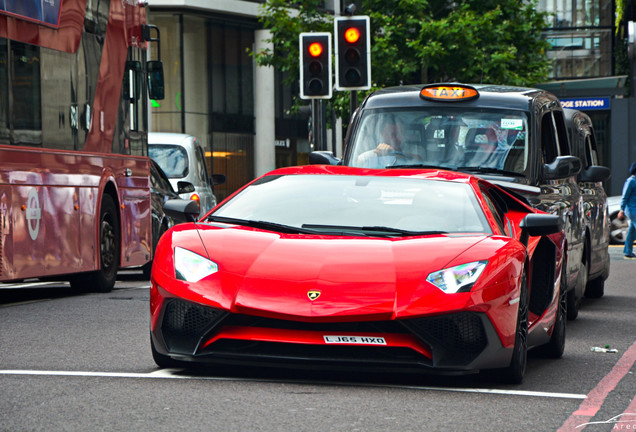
(581, 38)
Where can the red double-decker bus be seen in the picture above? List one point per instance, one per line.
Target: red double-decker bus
(74, 172)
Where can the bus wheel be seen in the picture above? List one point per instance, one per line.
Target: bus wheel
(103, 280)
(109, 243)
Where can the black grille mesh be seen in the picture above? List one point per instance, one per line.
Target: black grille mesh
(455, 339)
(185, 323)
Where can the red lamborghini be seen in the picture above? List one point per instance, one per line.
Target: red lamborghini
(336, 267)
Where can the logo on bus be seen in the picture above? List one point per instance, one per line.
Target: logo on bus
(33, 214)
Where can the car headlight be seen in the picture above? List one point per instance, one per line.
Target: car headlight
(457, 279)
(192, 267)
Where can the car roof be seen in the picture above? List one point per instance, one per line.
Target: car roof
(168, 138)
(490, 96)
(429, 174)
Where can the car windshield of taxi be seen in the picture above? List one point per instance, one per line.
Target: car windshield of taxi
(371, 206)
(453, 138)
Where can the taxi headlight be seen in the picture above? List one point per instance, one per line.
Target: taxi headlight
(457, 279)
(192, 267)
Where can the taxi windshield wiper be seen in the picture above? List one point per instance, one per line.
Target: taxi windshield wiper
(382, 231)
(489, 170)
(272, 226)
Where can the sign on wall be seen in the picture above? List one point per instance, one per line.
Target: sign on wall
(585, 104)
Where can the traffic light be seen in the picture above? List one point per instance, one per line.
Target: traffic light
(315, 65)
(353, 53)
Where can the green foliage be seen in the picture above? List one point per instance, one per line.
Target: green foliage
(423, 41)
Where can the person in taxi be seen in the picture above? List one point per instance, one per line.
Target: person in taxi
(389, 150)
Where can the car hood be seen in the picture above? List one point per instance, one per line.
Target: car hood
(262, 272)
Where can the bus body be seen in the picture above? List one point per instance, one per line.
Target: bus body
(74, 171)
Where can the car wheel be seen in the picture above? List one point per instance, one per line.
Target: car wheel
(514, 373)
(574, 302)
(595, 288)
(618, 229)
(103, 280)
(556, 345)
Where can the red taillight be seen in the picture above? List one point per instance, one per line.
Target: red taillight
(195, 197)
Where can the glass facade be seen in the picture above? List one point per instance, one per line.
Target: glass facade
(210, 84)
(581, 35)
(209, 78)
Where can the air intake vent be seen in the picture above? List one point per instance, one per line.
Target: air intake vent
(184, 324)
(455, 339)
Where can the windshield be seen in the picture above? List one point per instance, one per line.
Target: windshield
(450, 138)
(322, 203)
(173, 159)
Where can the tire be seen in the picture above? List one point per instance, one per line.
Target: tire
(555, 347)
(574, 302)
(103, 280)
(514, 373)
(595, 288)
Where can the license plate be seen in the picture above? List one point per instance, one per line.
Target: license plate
(360, 340)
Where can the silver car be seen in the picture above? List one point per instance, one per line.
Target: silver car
(182, 158)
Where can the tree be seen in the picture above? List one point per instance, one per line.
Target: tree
(420, 41)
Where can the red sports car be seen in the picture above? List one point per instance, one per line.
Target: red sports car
(336, 267)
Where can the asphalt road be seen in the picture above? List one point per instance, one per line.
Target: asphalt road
(81, 362)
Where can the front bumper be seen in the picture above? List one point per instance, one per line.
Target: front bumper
(459, 342)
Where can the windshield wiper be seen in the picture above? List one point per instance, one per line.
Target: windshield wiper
(272, 226)
(489, 170)
(387, 231)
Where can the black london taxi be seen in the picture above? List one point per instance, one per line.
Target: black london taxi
(595, 209)
(514, 137)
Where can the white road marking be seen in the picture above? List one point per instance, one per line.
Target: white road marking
(177, 374)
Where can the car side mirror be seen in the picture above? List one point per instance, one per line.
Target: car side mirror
(323, 158)
(217, 179)
(595, 173)
(182, 210)
(184, 187)
(156, 87)
(539, 224)
(562, 167)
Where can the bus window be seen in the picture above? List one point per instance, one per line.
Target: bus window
(4, 92)
(25, 86)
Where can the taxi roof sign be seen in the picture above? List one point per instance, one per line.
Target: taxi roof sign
(449, 93)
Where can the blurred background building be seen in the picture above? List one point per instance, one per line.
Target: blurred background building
(591, 73)
(216, 92)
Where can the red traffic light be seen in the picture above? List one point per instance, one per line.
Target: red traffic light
(352, 35)
(315, 65)
(353, 52)
(315, 49)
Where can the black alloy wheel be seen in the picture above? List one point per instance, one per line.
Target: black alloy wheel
(514, 373)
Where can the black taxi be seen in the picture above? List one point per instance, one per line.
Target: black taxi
(595, 208)
(514, 137)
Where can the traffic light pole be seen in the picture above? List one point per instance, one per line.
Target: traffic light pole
(353, 103)
(318, 125)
